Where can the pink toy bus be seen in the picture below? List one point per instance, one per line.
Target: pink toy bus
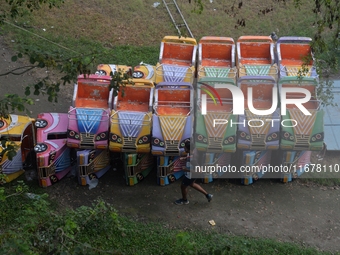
(53, 155)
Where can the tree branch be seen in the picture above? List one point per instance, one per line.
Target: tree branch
(12, 71)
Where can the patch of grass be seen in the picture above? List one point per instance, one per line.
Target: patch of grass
(113, 54)
(30, 227)
(135, 22)
(129, 32)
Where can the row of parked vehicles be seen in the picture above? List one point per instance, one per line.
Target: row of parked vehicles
(181, 99)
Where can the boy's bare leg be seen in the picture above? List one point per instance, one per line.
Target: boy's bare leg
(184, 191)
(198, 188)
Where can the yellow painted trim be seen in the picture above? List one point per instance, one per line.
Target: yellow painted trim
(41, 160)
(157, 153)
(143, 150)
(115, 149)
(44, 183)
(161, 161)
(289, 156)
(82, 159)
(231, 151)
(130, 159)
(285, 178)
(11, 177)
(83, 181)
(176, 39)
(317, 148)
(248, 159)
(73, 145)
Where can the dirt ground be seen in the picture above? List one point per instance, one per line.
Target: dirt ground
(299, 212)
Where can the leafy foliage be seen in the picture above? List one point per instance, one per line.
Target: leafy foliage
(13, 102)
(117, 82)
(199, 6)
(36, 229)
(8, 147)
(326, 53)
(20, 188)
(34, 225)
(18, 8)
(57, 60)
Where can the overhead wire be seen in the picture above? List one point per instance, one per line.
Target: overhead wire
(40, 37)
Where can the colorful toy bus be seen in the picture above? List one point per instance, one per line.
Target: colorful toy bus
(177, 60)
(257, 136)
(89, 115)
(301, 133)
(53, 156)
(258, 132)
(92, 164)
(130, 131)
(294, 57)
(171, 128)
(255, 56)
(216, 65)
(19, 131)
(107, 69)
(214, 132)
(216, 58)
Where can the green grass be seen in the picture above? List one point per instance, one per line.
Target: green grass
(28, 226)
(110, 54)
(131, 31)
(86, 25)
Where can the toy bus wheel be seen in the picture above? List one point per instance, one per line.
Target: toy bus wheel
(255, 177)
(137, 75)
(53, 179)
(92, 176)
(171, 178)
(215, 175)
(140, 177)
(295, 175)
(41, 123)
(100, 72)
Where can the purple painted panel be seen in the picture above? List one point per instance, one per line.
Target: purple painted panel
(156, 133)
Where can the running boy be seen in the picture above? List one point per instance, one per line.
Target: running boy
(188, 181)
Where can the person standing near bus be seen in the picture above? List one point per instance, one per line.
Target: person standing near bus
(188, 181)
